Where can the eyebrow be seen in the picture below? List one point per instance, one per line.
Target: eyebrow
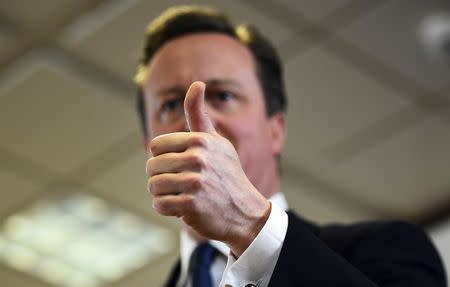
(217, 82)
(171, 90)
(211, 82)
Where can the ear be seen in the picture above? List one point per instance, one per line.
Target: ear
(277, 132)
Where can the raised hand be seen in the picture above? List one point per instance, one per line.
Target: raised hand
(197, 176)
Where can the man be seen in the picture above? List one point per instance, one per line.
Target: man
(212, 104)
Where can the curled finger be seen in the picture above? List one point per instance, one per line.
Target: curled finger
(174, 183)
(173, 162)
(173, 205)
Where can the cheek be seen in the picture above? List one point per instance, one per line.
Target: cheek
(253, 148)
(252, 141)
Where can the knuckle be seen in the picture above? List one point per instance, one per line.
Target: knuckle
(189, 205)
(195, 181)
(197, 159)
(198, 139)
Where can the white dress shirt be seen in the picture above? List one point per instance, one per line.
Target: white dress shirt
(255, 266)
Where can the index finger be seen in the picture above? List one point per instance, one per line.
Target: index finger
(176, 142)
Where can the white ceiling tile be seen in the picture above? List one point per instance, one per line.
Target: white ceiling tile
(407, 174)
(242, 12)
(390, 33)
(329, 100)
(38, 15)
(93, 20)
(314, 9)
(59, 121)
(115, 42)
(15, 191)
(127, 184)
(92, 231)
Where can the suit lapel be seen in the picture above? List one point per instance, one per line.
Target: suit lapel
(174, 275)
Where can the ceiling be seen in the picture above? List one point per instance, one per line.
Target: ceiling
(368, 118)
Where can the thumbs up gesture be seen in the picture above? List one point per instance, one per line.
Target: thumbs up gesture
(197, 176)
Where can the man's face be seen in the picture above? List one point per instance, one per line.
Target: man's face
(234, 100)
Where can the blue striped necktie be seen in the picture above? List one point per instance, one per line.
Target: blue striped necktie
(201, 260)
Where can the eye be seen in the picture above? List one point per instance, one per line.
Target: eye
(220, 97)
(225, 96)
(170, 105)
(224, 100)
(171, 110)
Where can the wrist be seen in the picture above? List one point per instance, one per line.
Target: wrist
(247, 234)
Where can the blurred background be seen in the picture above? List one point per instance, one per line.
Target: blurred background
(369, 128)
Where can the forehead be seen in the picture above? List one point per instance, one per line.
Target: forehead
(200, 56)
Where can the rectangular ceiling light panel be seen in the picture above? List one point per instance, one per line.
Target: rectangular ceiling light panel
(79, 240)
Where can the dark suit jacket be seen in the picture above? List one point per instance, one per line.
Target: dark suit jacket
(366, 254)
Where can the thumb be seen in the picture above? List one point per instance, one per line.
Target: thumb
(194, 109)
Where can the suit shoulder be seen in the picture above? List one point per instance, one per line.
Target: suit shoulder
(384, 242)
(349, 238)
(394, 253)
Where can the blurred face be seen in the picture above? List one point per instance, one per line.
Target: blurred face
(234, 100)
